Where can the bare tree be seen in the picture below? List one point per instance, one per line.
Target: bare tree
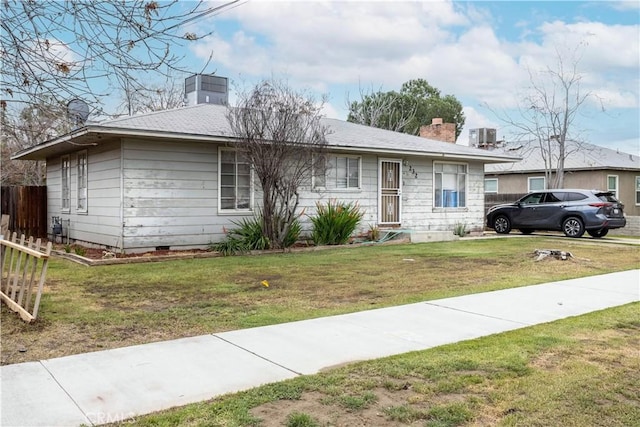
(154, 97)
(69, 49)
(547, 112)
(23, 129)
(280, 133)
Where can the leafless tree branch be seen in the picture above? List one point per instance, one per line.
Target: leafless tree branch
(280, 133)
(546, 113)
(67, 49)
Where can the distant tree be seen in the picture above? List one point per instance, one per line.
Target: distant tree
(384, 110)
(23, 129)
(406, 111)
(68, 49)
(280, 134)
(547, 111)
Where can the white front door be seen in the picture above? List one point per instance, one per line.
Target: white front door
(390, 191)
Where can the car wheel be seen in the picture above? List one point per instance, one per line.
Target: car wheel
(598, 233)
(573, 227)
(526, 230)
(502, 224)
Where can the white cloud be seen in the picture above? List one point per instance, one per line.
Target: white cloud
(461, 49)
(475, 119)
(336, 42)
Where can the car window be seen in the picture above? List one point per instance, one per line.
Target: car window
(607, 197)
(532, 199)
(574, 197)
(552, 197)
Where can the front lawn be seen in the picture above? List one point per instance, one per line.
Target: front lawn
(95, 308)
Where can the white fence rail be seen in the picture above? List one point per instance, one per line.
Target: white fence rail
(23, 269)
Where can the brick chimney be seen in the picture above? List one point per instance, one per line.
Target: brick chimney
(439, 131)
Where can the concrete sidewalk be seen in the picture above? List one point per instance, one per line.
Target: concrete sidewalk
(111, 385)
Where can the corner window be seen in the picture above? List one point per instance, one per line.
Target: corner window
(536, 183)
(341, 172)
(450, 185)
(491, 185)
(64, 183)
(637, 190)
(235, 177)
(612, 184)
(82, 182)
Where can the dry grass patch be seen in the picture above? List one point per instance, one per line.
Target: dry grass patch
(94, 308)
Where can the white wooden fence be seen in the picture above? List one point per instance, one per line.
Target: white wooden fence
(23, 269)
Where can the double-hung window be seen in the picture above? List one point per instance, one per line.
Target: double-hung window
(491, 185)
(65, 184)
(235, 181)
(536, 183)
(637, 190)
(339, 172)
(82, 181)
(450, 185)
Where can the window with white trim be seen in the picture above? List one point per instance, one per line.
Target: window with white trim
(491, 185)
(82, 182)
(637, 190)
(450, 185)
(235, 178)
(536, 183)
(341, 172)
(612, 184)
(65, 183)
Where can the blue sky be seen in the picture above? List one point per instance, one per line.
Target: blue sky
(478, 51)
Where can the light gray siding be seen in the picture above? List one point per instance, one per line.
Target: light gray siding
(366, 196)
(419, 211)
(171, 195)
(100, 224)
(144, 195)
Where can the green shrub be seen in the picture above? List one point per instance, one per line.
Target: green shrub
(374, 233)
(293, 234)
(335, 222)
(229, 246)
(250, 232)
(249, 236)
(460, 229)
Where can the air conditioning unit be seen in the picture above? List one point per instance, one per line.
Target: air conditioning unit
(206, 89)
(482, 137)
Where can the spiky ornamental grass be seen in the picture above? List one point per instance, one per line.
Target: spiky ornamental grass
(335, 222)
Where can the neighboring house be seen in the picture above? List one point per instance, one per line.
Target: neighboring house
(170, 179)
(587, 166)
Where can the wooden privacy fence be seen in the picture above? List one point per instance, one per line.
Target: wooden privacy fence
(23, 269)
(27, 208)
(492, 199)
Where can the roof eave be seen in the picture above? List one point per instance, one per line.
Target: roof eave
(456, 156)
(39, 152)
(36, 152)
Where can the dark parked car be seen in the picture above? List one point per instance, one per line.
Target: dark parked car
(570, 211)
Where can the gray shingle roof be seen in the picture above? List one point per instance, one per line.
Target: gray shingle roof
(208, 121)
(583, 156)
